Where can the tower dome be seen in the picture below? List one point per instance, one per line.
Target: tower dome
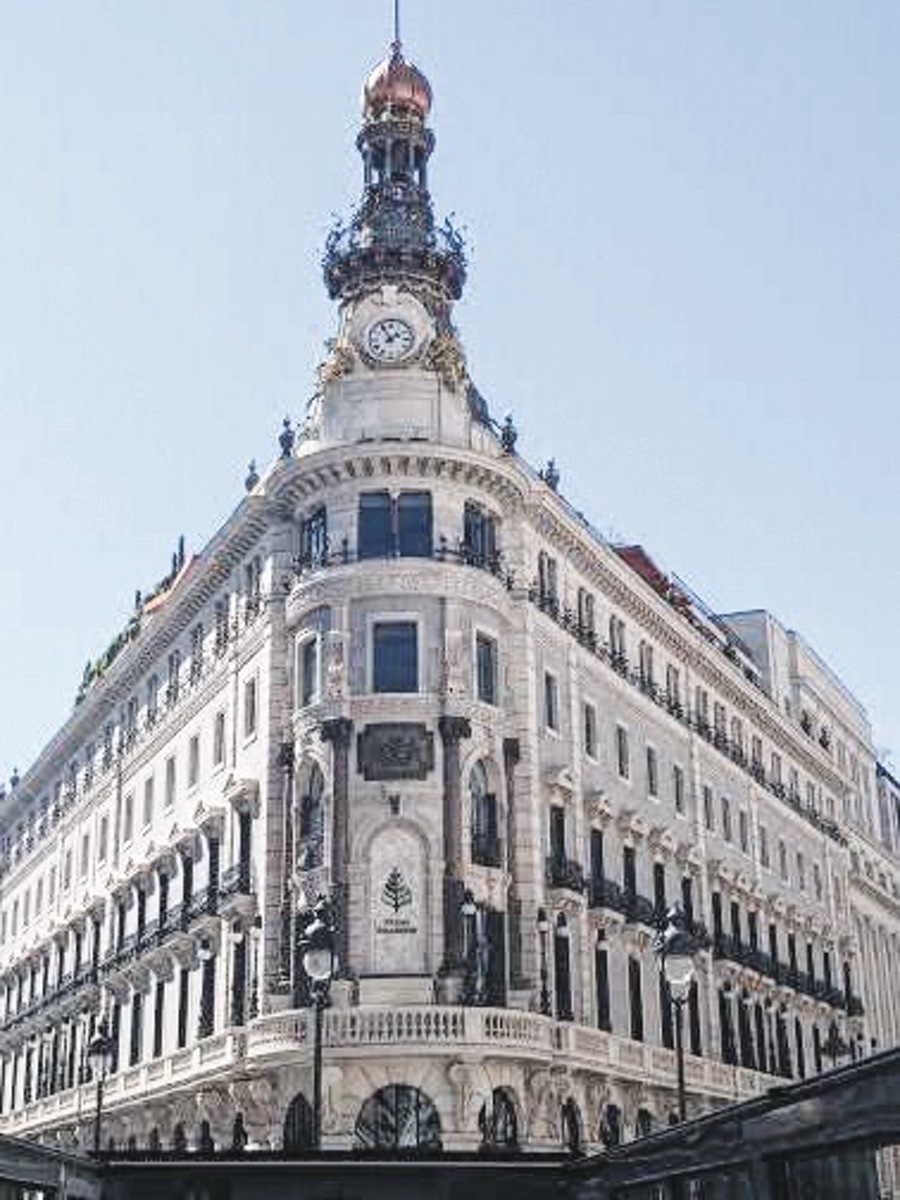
(396, 84)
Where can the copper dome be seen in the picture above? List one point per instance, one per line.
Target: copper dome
(396, 83)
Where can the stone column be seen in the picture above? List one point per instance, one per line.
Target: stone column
(511, 756)
(338, 732)
(452, 731)
(286, 762)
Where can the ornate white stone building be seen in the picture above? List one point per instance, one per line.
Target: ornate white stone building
(406, 675)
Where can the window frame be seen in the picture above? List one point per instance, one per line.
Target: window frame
(373, 620)
(483, 638)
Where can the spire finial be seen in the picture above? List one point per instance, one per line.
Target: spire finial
(396, 44)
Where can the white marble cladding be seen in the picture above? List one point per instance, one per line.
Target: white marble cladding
(690, 778)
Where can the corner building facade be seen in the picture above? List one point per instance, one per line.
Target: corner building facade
(405, 675)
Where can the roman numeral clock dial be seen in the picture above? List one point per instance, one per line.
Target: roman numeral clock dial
(390, 339)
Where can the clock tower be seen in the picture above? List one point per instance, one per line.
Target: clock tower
(396, 369)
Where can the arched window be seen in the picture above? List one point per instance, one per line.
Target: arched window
(643, 1126)
(562, 973)
(611, 1126)
(485, 835)
(498, 1123)
(571, 1127)
(398, 1117)
(311, 817)
(179, 1138)
(239, 1134)
(153, 1141)
(298, 1125)
(131, 1144)
(205, 1143)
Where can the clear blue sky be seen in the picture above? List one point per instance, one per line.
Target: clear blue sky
(685, 276)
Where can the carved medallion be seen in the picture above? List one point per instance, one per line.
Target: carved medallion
(395, 750)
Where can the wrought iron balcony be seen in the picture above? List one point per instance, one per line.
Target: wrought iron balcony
(565, 873)
(485, 850)
(636, 909)
(236, 879)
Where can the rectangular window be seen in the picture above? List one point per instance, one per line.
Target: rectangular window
(174, 678)
(645, 663)
(801, 871)
(617, 642)
(137, 1028)
(67, 871)
(708, 815)
(486, 668)
(590, 730)
(726, 818)
(479, 536)
(395, 656)
(39, 900)
(548, 594)
(171, 781)
(673, 687)
(249, 707)
(308, 672)
(194, 756)
(85, 854)
(623, 762)
(148, 802)
(314, 539)
(414, 524)
(782, 860)
(102, 839)
(678, 787)
(51, 886)
(128, 818)
(763, 846)
(551, 701)
(375, 535)
(557, 833)
(652, 772)
(817, 880)
(196, 667)
(744, 831)
(389, 526)
(219, 739)
(220, 641)
(585, 613)
(636, 999)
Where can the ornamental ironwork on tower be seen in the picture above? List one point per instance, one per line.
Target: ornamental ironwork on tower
(392, 236)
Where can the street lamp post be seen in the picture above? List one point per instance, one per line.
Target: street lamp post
(469, 911)
(317, 950)
(100, 1053)
(543, 928)
(674, 950)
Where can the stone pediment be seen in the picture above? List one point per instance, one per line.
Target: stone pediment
(210, 818)
(662, 840)
(242, 794)
(560, 781)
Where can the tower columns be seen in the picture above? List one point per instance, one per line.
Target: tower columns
(452, 731)
(338, 732)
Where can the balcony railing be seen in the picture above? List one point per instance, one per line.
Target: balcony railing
(236, 880)
(485, 850)
(636, 909)
(565, 873)
(568, 620)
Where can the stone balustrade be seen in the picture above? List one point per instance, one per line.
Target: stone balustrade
(429, 1030)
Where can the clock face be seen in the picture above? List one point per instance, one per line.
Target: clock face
(390, 339)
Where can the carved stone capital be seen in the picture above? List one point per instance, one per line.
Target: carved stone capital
(338, 731)
(512, 752)
(454, 729)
